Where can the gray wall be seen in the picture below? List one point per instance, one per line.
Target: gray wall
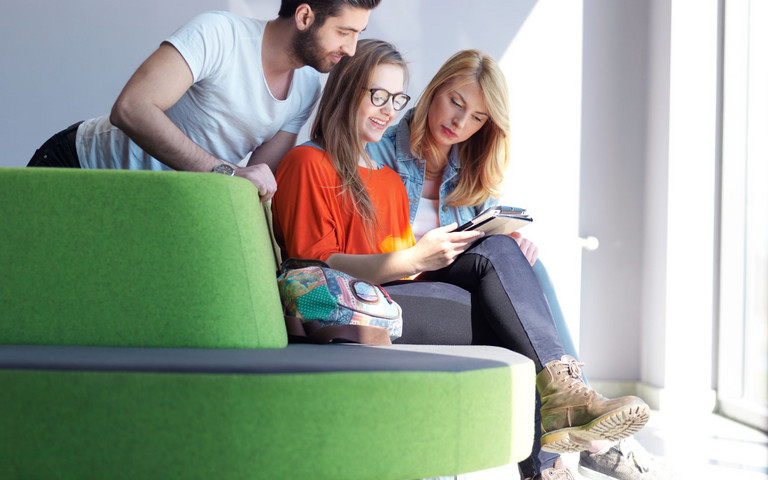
(61, 62)
(649, 186)
(614, 96)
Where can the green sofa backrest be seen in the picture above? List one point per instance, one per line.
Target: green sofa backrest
(141, 259)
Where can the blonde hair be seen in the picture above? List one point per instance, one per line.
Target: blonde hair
(336, 128)
(483, 157)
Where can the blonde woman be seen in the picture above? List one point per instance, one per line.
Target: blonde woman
(452, 149)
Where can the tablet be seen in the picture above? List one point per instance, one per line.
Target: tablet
(499, 220)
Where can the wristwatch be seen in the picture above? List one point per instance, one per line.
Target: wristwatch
(224, 168)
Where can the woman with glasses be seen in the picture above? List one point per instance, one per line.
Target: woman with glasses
(337, 205)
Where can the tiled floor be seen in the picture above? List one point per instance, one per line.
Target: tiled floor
(710, 448)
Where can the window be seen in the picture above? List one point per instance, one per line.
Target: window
(743, 339)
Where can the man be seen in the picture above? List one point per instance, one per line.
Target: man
(220, 89)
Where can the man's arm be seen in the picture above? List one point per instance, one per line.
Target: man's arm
(140, 111)
(272, 151)
(263, 163)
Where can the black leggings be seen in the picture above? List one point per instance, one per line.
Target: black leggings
(498, 302)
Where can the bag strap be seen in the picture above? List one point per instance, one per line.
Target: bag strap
(315, 333)
(275, 247)
(295, 263)
(290, 263)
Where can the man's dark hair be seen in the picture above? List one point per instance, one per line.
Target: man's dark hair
(324, 8)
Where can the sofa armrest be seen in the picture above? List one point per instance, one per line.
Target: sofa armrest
(135, 258)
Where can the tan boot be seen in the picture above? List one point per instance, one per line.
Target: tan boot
(572, 414)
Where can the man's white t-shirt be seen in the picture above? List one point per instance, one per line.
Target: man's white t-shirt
(229, 110)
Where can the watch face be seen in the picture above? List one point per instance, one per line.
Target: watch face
(225, 169)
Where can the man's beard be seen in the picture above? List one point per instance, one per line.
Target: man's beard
(306, 49)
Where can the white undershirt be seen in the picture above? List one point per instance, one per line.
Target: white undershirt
(427, 217)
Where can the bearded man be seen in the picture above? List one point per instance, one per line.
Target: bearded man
(222, 89)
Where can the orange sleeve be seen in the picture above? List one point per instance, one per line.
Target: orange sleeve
(304, 223)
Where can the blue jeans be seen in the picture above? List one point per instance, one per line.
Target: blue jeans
(503, 304)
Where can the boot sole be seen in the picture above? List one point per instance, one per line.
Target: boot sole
(612, 426)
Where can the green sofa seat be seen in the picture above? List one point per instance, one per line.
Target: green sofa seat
(142, 337)
(306, 411)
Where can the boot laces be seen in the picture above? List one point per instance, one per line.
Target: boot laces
(573, 368)
(557, 474)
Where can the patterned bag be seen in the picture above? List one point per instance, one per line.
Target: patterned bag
(324, 305)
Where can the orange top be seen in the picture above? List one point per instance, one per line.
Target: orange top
(312, 220)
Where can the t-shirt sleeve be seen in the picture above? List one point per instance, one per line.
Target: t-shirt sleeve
(205, 42)
(303, 206)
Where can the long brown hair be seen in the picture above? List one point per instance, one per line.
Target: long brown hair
(336, 128)
(483, 157)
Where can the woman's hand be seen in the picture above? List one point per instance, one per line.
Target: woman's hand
(529, 249)
(439, 247)
(436, 249)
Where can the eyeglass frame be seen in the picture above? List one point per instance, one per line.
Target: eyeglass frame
(389, 95)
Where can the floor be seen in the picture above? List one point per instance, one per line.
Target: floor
(708, 449)
(712, 448)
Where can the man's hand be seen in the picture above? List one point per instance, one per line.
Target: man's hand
(261, 176)
(528, 248)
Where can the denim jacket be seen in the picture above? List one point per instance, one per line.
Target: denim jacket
(394, 151)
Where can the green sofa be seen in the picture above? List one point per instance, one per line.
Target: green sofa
(141, 337)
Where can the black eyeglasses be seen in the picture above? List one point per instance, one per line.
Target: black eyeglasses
(379, 97)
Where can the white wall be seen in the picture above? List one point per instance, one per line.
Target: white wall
(544, 73)
(680, 243)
